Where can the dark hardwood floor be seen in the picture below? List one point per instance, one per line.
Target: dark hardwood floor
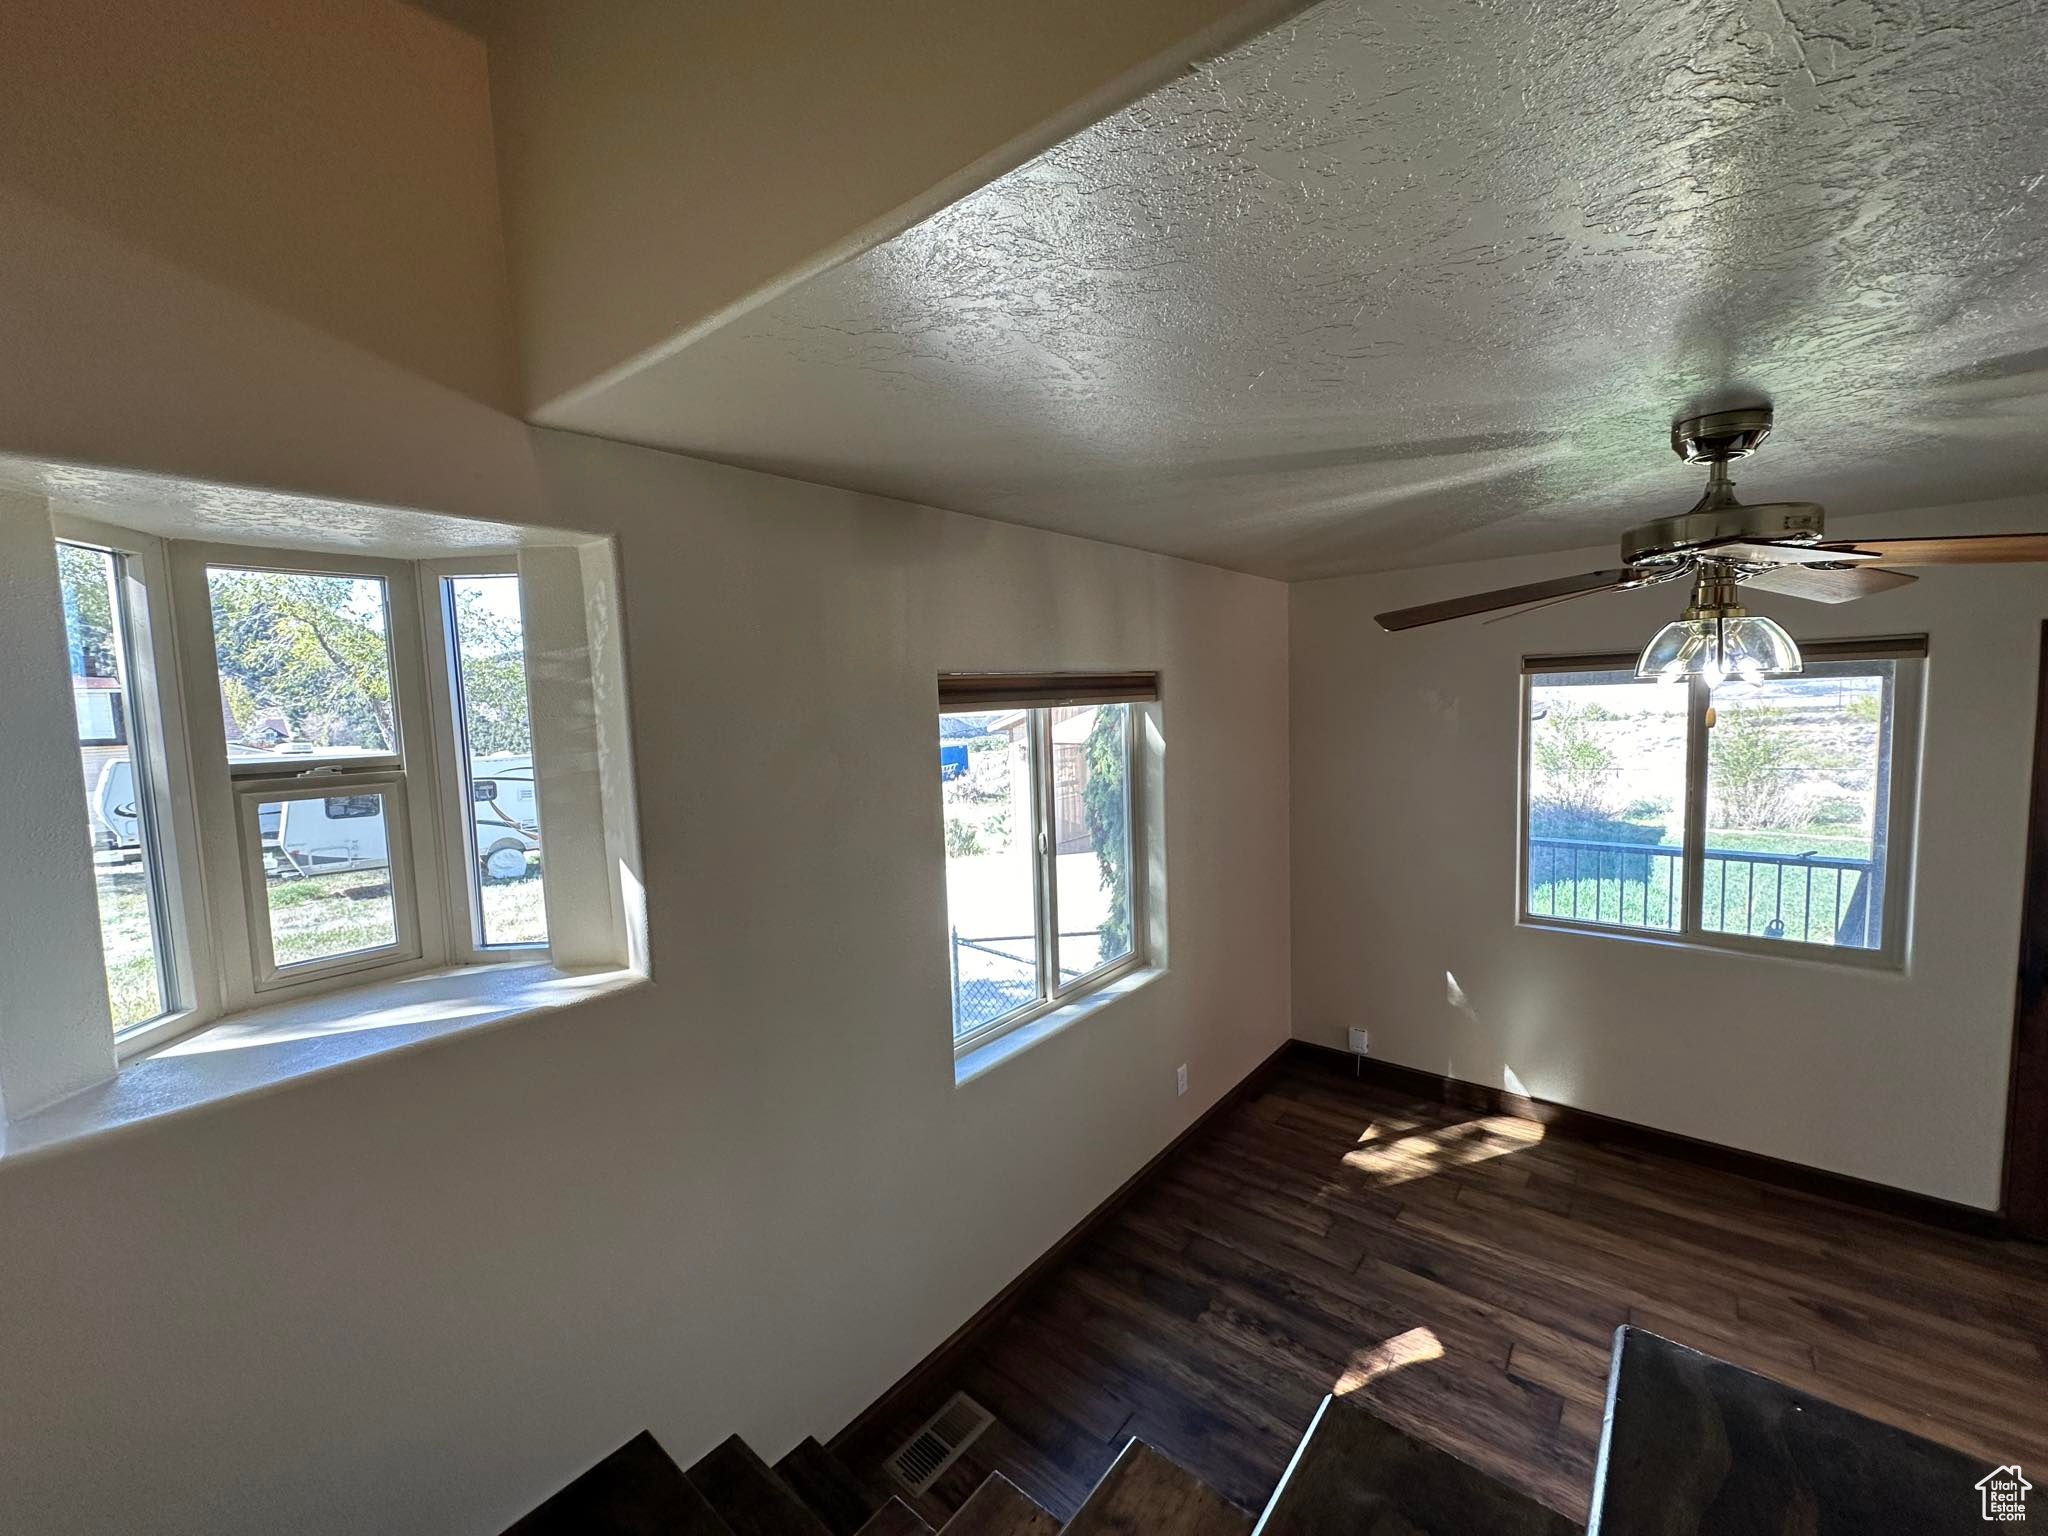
(1463, 1273)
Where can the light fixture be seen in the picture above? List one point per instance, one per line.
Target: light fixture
(1717, 638)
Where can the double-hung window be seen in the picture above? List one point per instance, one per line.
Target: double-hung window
(310, 677)
(1772, 816)
(1043, 858)
(375, 761)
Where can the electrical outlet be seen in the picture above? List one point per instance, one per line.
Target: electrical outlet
(1180, 1079)
(1357, 1041)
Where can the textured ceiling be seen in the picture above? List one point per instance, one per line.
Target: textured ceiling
(1402, 283)
(190, 509)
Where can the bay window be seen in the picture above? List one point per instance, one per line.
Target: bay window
(312, 779)
(341, 744)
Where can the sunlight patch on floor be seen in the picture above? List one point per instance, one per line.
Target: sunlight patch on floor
(1454, 1146)
(1414, 1347)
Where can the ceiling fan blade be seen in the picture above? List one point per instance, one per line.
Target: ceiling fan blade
(1962, 549)
(1551, 602)
(1820, 586)
(1765, 552)
(1505, 597)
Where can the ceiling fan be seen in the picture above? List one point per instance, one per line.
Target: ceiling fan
(1724, 545)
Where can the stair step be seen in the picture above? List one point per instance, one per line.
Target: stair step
(636, 1491)
(1147, 1492)
(1000, 1508)
(749, 1497)
(1355, 1472)
(895, 1518)
(822, 1481)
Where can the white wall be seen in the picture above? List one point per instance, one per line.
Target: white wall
(416, 1295)
(332, 158)
(1404, 825)
(53, 1034)
(257, 245)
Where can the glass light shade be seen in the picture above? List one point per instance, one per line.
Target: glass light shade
(1748, 646)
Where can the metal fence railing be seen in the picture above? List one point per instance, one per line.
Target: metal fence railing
(1810, 898)
(990, 980)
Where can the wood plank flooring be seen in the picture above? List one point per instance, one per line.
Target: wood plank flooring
(1462, 1274)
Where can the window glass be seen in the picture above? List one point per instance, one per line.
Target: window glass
(488, 635)
(1092, 835)
(326, 876)
(120, 807)
(991, 880)
(1798, 793)
(1607, 799)
(305, 665)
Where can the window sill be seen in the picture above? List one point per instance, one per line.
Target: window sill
(992, 1054)
(1878, 962)
(278, 1043)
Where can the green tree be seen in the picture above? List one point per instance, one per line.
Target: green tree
(962, 841)
(1754, 770)
(1106, 805)
(1575, 764)
(305, 649)
(88, 610)
(493, 676)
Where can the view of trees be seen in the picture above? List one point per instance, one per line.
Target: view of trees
(1755, 768)
(493, 670)
(1786, 762)
(1106, 804)
(1577, 767)
(88, 610)
(302, 659)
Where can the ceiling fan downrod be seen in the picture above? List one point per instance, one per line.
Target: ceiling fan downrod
(1716, 440)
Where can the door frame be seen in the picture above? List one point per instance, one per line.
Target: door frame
(2024, 1197)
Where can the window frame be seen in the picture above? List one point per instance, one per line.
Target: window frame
(1909, 655)
(250, 795)
(389, 575)
(158, 747)
(247, 972)
(459, 893)
(1041, 793)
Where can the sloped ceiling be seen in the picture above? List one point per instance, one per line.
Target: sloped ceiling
(1401, 283)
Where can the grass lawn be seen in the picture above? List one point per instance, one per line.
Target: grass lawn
(321, 916)
(132, 987)
(1636, 886)
(311, 919)
(514, 912)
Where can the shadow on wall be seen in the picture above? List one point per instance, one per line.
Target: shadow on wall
(354, 191)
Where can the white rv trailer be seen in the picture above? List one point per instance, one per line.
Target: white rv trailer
(329, 833)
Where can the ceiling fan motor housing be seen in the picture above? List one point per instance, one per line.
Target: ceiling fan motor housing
(1719, 436)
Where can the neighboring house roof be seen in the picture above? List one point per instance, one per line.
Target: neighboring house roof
(1075, 730)
(966, 727)
(1071, 731)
